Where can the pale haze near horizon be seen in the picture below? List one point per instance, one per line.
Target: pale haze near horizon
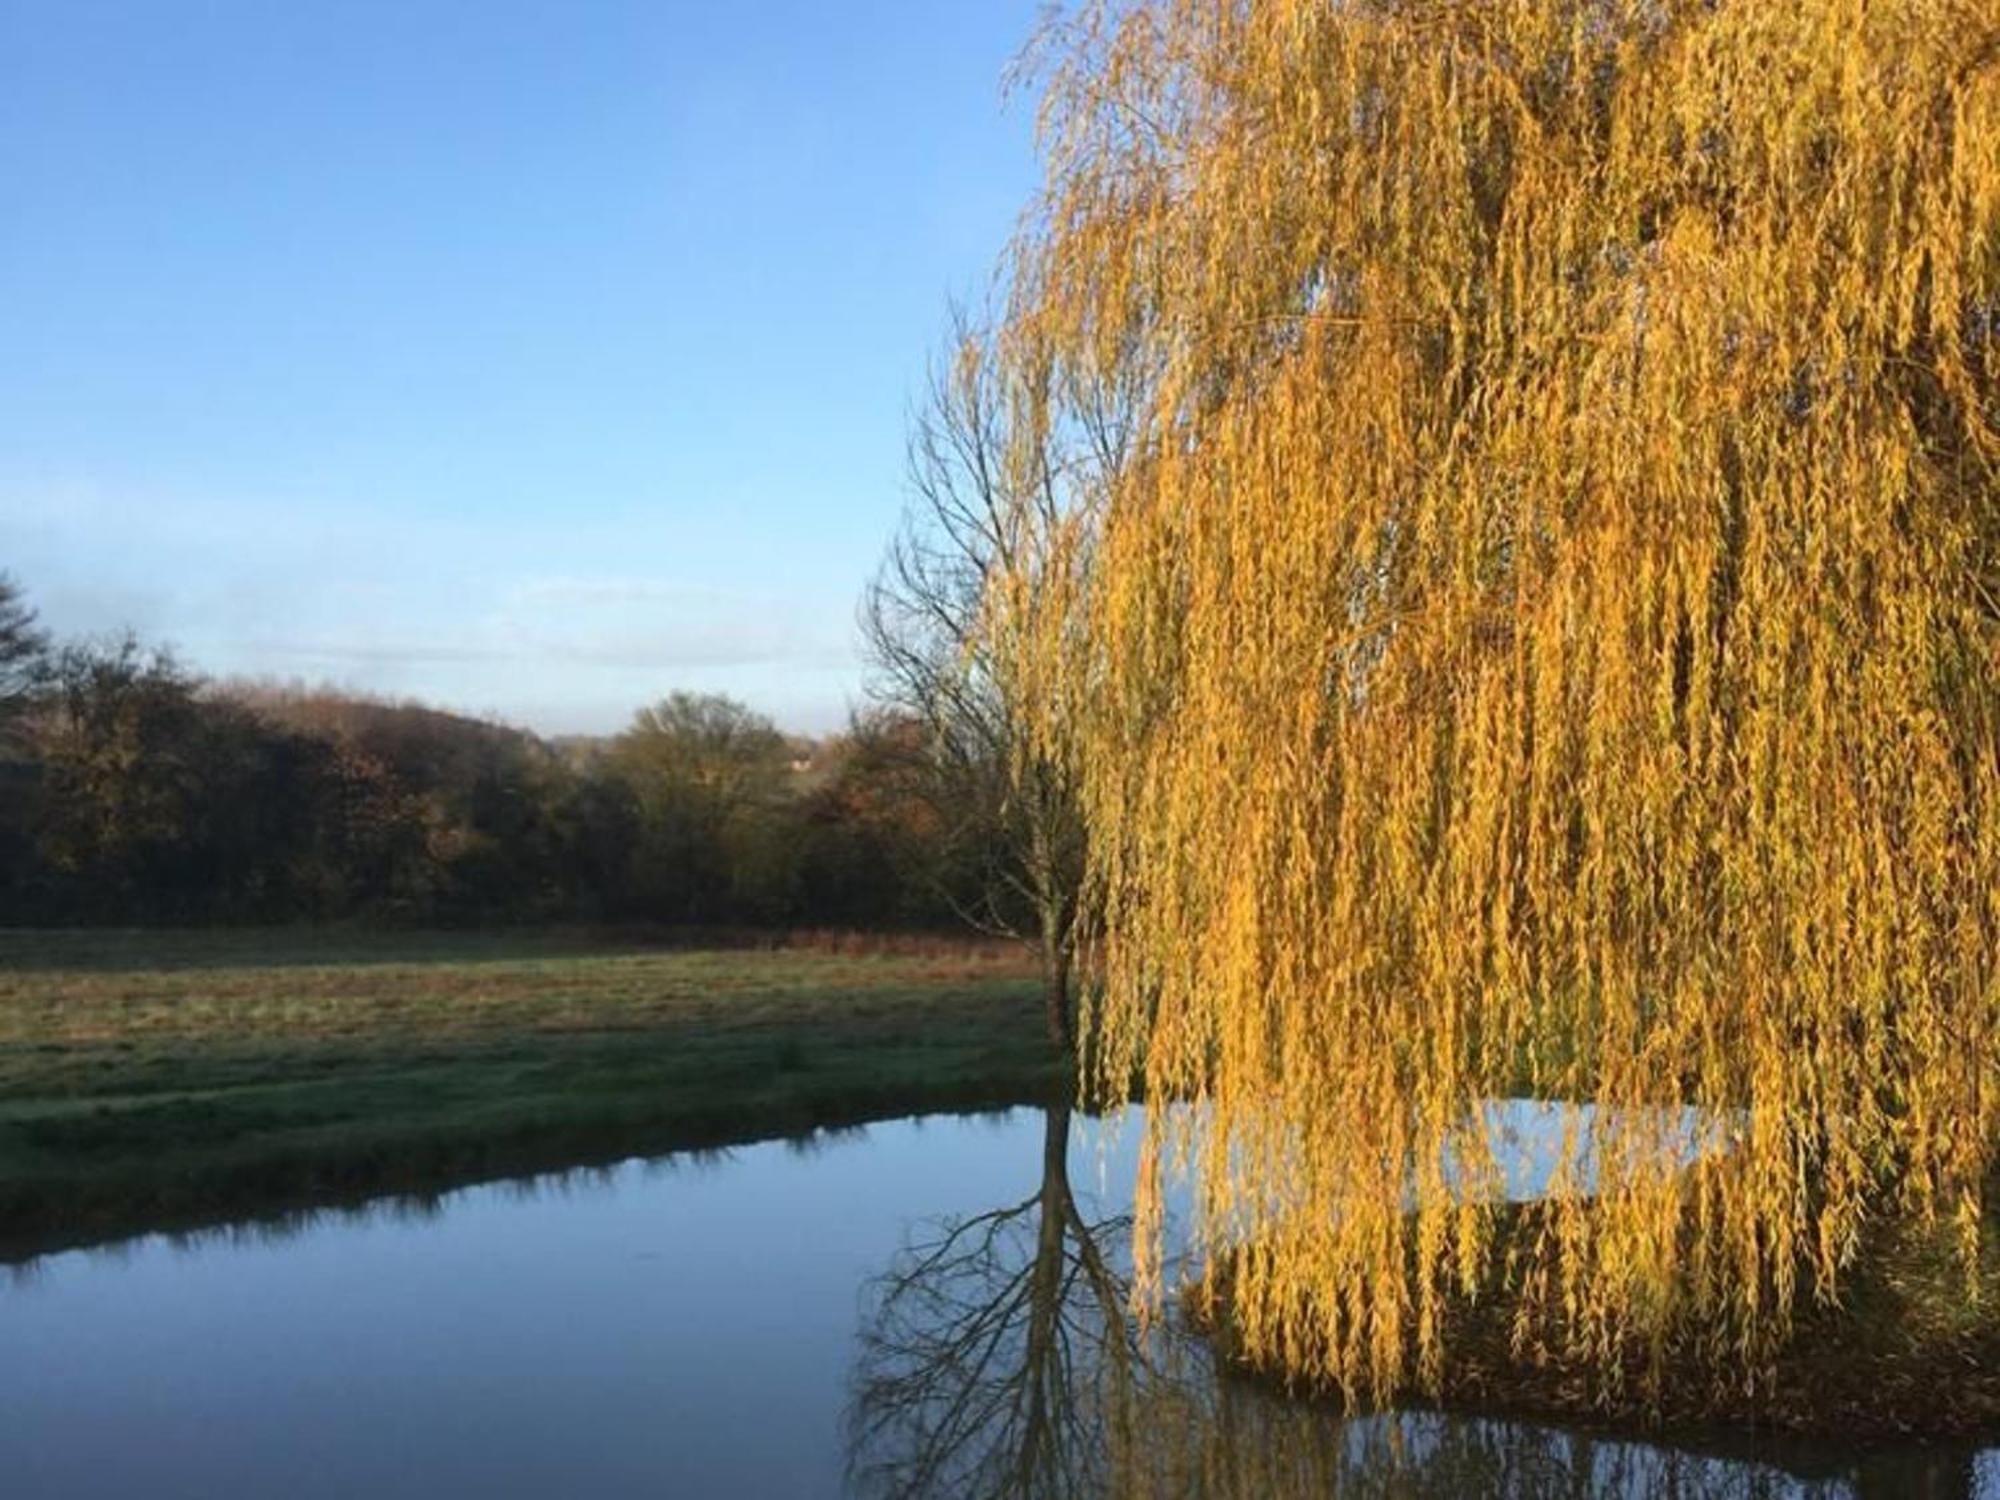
(530, 360)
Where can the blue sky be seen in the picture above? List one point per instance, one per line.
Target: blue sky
(532, 359)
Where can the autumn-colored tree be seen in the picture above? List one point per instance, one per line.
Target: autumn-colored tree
(709, 777)
(153, 801)
(1545, 635)
(873, 846)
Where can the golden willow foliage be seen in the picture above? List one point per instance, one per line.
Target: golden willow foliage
(1545, 636)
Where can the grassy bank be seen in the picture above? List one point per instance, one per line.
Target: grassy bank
(157, 1080)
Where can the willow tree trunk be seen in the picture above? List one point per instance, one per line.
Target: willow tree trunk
(1059, 1013)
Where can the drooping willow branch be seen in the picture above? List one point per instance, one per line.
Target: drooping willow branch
(1539, 636)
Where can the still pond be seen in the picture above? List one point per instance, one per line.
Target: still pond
(927, 1308)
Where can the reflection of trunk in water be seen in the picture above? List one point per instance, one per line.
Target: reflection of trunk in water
(996, 1349)
(999, 1362)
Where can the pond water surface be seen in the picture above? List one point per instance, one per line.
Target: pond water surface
(925, 1308)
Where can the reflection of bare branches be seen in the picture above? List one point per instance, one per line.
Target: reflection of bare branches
(998, 1354)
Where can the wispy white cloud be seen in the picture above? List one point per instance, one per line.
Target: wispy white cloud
(384, 653)
(430, 609)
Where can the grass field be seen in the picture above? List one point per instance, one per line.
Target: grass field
(153, 1080)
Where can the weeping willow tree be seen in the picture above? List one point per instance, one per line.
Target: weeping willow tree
(1544, 635)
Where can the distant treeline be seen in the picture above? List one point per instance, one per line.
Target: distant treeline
(133, 790)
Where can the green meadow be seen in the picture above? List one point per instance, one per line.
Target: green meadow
(154, 1080)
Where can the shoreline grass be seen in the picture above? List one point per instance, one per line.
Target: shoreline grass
(162, 1080)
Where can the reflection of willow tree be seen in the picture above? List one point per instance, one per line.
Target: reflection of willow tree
(998, 1354)
(1221, 1439)
(1000, 1362)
